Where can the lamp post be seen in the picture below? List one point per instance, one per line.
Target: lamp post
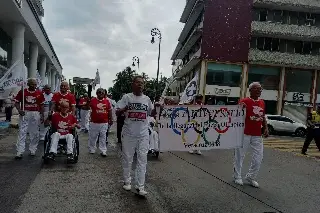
(135, 60)
(155, 32)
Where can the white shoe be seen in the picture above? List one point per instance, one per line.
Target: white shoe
(252, 182)
(92, 152)
(198, 152)
(32, 153)
(127, 186)
(238, 181)
(191, 152)
(141, 191)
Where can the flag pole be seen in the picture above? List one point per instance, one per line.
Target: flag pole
(24, 80)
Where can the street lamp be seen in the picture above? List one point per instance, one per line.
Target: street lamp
(135, 60)
(156, 32)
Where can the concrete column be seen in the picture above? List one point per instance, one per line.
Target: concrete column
(48, 77)
(33, 52)
(244, 81)
(314, 89)
(202, 78)
(281, 92)
(43, 69)
(53, 79)
(17, 42)
(56, 79)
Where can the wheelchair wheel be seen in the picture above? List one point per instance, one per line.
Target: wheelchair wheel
(156, 154)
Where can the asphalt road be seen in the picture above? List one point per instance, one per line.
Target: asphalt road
(176, 182)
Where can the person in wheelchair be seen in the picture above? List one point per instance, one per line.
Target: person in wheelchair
(63, 123)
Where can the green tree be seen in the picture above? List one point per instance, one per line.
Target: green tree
(78, 89)
(123, 81)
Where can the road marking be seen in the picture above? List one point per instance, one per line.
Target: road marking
(293, 145)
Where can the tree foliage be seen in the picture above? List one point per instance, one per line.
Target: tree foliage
(123, 82)
(78, 89)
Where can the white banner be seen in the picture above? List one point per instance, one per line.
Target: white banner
(14, 77)
(183, 128)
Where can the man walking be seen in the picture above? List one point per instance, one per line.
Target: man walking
(313, 130)
(101, 118)
(46, 109)
(30, 115)
(135, 134)
(8, 106)
(84, 105)
(255, 119)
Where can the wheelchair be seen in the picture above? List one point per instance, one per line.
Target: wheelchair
(62, 147)
(153, 152)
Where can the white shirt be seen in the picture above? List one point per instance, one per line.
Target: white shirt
(136, 122)
(47, 102)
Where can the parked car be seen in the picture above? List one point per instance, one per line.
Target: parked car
(279, 123)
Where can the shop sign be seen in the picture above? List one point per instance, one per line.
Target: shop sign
(302, 104)
(19, 3)
(298, 97)
(223, 92)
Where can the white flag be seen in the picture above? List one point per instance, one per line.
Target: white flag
(190, 91)
(39, 81)
(14, 77)
(57, 89)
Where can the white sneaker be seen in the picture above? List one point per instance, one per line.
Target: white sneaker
(252, 182)
(191, 152)
(198, 152)
(32, 153)
(127, 186)
(238, 181)
(141, 191)
(92, 152)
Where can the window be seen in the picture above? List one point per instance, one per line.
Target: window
(263, 15)
(267, 44)
(298, 45)
(275, 44)
(285, 119)
(273, 118)
(307, 47)
(310, 19)
(278, 16)
(224, 75)
(269, 77)
(298, 81)
(260, 43)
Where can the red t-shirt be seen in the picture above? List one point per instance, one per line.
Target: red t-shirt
(255, 113)
(32, 99)
(100, 110)
(58, 98)
(63, 123)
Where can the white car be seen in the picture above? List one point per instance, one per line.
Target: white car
(279, 123)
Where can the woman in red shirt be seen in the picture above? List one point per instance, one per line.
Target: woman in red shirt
(101, 118)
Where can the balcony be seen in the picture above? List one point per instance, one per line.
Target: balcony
(294, 5)
(39, 7)
(191, 21)
(284, 59)
(185, 68)
(285, 31)
(187, 10)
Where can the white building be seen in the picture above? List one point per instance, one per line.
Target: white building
(22, 32)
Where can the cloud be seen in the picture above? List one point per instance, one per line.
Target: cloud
(107, 34)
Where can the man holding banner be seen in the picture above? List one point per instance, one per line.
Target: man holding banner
(254, 120)
(29, 103)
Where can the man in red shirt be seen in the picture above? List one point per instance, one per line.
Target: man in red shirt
(101, 118)
(254, 121)
(30, 116)
(63, 95)
(84, 113)
(63, 123)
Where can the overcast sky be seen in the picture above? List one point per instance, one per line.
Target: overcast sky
(106, 34)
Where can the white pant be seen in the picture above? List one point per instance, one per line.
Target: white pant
(131, 145)
(43, 129)
(256, 144)
(55, 137)
(28, 124)
(154, 140)
(84, 123)
(98, 130)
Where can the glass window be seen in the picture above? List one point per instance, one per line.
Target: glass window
(298, 81)
(278, 16)
(269, 77)
(224, 75)
(263, 15)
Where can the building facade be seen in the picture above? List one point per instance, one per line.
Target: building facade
(22, 34)
(234, 43)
